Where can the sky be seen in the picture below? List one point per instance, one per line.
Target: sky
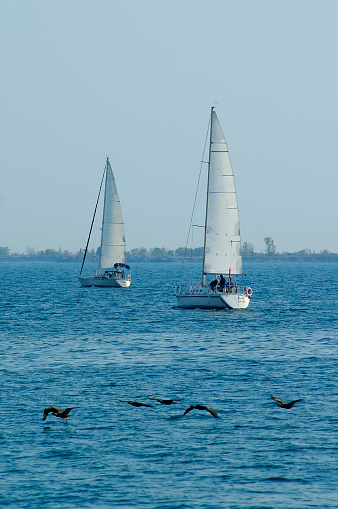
(135, 81)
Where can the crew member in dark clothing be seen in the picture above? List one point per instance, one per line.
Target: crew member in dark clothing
(213, 284)
(221, 285)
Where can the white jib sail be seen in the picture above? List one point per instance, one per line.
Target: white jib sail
(222, 239)
(113, 244)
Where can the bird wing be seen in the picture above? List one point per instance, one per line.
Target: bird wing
(294, 401)
(164, 401)
(279, 400)
(134, 403)
(66, 412)
(56, 409)
(189, 409)
(212, 411)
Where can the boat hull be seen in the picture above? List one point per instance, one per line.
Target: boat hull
(104, 282)
(205, 298)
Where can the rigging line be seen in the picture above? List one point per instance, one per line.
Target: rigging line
(198, 183)
(91, 226)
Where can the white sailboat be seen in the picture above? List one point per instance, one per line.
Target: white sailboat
(222, 243)
(113, 245)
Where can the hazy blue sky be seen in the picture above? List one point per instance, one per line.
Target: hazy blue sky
(135, 80)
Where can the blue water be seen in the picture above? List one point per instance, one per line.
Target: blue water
(90, 347)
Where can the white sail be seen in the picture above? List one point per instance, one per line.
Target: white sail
(222, 237)
(113, 244)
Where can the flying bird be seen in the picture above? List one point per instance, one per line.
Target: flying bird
(201, 407)
(284, 404)
(165, 401)
(134, 403)
(58, 412)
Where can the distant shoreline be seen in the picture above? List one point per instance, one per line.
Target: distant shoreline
(332, 257)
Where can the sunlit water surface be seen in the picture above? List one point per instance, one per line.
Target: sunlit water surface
(91, 347)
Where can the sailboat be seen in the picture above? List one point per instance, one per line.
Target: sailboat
(222, 242)
(112, 267)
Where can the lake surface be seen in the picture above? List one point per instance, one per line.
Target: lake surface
(91, 347)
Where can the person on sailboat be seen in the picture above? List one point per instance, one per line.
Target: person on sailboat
(230, 285)
(213, 284)
(221, 285)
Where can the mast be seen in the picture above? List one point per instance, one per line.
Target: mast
(207, 203)
(91, 226)
(104, 206)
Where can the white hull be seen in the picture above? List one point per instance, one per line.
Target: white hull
(104, 281)
(204, 297)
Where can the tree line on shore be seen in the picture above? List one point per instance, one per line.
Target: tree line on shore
(138, 254)
(157, 253)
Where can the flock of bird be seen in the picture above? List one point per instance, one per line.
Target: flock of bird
(64, 413)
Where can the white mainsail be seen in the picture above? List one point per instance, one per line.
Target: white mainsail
(113, 243)
(222, 236)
